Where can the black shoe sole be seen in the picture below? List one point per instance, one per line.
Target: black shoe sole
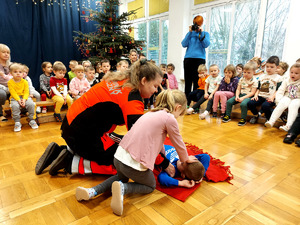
(60, 163)
(50, 154)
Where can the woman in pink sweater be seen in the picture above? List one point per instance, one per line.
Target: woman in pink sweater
(136, 154)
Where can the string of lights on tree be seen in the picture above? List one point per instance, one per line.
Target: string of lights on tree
(66, 3)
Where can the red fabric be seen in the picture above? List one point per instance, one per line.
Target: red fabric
(102, 169)
(216, 172)
(159, 159)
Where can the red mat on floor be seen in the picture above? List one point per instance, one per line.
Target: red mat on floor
(216, 172)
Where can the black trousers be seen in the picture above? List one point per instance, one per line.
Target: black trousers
(295, 129)
(191, 74)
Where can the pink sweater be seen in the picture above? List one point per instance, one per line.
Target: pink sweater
(172, 81)
(79, 86)
(145, 140)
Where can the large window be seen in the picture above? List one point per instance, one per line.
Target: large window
(140, 33)
(153, 46)
(155, 35)
(219, 35)
(240, 30)
(164, 44)
(244, 32)
(275, 27)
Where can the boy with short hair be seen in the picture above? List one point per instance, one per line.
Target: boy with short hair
(79, 84)
(171, 77)
(197, 94)
(268, 85)
(90, 75)
(58, 85)
(71, 73)
(246, 89)
(19, 97)
(192, 173)
(105, 65)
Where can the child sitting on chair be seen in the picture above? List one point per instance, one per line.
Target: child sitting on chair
(45, 83)
(105, 65)
(226, 90)
(246, 89)
(287, 96)
(79, 84)
(19, 97)
(59, 89)
(193, 172)
(32, 91)
(90, 76)
(197, 94)
(268, 85)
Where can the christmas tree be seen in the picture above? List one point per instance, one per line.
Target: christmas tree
(111, 40)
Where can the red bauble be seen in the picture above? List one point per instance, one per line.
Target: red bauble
(83, 12)
(141, 49)
(87, 51)
(110, 19)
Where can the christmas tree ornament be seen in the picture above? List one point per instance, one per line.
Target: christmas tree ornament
(121, 47)
(87, 51)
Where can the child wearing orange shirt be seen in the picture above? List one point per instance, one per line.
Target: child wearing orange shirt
(197, 94)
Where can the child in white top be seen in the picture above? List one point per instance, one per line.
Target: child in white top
(79, 84)
(212, 84)
(268, 84)
(32, 91)
(136, 154)
(90, 76)
(287, 96)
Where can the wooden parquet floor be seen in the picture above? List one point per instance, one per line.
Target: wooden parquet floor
(265, 190)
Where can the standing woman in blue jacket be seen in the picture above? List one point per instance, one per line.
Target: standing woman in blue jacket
(195, 41)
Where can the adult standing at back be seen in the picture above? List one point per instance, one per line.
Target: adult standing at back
(195, 41)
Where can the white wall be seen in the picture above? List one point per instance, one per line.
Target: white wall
(179, 21)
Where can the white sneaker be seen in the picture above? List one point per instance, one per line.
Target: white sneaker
(268, 124)
(284, 128)
(17, 127)
(33, 124)
(38, 109)
(203, 115)
(189, 111)
(151, 106)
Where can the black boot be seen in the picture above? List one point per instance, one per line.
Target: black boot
(63, 161)
(289, 138)
(50, 154)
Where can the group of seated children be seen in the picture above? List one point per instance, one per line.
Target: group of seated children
(251, 89)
